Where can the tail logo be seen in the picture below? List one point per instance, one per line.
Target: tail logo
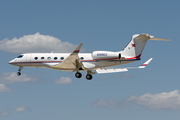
(133, 45)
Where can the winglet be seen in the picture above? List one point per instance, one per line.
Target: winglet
(76, 51)
(145, 64)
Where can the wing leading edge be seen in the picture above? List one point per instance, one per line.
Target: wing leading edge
(113, 70)
(72, 61)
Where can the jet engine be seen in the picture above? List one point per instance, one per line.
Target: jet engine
(106, 55)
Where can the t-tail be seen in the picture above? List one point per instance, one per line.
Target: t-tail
(135, 47)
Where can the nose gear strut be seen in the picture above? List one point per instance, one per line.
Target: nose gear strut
(19, 70)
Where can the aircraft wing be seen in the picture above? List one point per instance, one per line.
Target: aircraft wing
(72, 61)
(112, 70)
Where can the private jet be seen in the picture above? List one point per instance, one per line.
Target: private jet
(95, 62)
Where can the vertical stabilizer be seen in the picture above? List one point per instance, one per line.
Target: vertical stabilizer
(135, 47)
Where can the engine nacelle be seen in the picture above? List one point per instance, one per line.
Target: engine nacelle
(106, 55)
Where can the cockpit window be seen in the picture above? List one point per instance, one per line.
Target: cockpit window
(20, 56)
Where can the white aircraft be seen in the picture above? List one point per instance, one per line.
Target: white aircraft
(98, 61)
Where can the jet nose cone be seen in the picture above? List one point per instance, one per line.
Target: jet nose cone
(11, 62)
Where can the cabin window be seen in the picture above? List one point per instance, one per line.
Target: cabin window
(62, 58)
(82, 58)
(55, 58)
(49, 58)
(20, 56)
(42, 58)
(35, 58)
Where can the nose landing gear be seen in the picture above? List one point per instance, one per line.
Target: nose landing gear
(19, 71)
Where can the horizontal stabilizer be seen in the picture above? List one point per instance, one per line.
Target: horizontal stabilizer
(160, 39)
(149, 37)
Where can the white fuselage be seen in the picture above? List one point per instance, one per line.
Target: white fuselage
(47, 60)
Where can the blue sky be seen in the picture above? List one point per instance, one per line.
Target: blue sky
(151, 93)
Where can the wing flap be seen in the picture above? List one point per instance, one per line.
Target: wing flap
(111, 70)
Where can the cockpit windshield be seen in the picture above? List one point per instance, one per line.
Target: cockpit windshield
(20, 56)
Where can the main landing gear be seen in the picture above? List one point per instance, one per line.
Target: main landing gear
(88, 76)
(79, 75)
(19, 71)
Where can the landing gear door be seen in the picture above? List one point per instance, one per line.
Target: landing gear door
(28, 59)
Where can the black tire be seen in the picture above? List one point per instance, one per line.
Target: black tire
(88, 76)
(78, 75)
(18, 73)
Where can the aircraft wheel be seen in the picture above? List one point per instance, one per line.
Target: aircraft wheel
(18, 73)
(78, 75)
(88, 76)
